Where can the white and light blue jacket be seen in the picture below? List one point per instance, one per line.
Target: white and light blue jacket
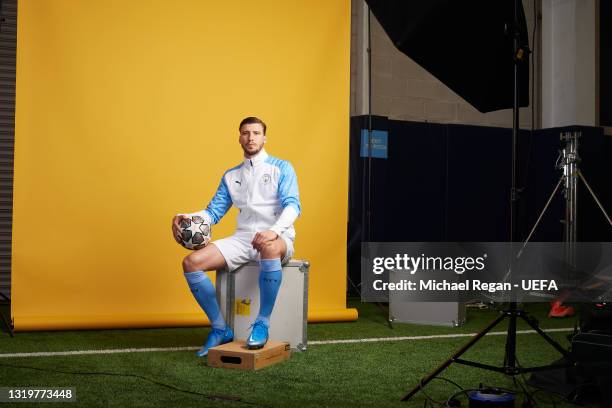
(265, 190)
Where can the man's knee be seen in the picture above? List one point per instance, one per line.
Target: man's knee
(192, 262)
(271, 250)
(205, 259)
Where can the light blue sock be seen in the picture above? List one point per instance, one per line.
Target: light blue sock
(270, 278)
(204, 292)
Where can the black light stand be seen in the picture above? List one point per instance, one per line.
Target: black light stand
(366, 222)
(510, 366)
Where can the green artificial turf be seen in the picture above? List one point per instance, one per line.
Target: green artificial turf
(375, 374)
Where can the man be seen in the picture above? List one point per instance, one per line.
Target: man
(265, 191)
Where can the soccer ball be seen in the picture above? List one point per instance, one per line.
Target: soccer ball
(195, 232)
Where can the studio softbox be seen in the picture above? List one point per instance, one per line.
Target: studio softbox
(467, 44)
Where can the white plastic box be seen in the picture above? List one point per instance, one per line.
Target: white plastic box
(238, 294)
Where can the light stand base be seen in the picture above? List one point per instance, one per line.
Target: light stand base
(510, 367)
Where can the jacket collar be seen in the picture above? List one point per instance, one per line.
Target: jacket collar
(257, 159)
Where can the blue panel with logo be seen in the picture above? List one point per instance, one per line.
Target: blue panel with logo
(379, 140)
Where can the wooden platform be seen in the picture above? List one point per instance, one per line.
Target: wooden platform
(237, 355)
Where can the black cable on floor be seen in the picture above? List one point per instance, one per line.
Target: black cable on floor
(172, 387)
(432, 401)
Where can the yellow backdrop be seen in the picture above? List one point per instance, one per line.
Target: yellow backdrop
(127, 113)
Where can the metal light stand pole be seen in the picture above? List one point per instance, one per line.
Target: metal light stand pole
(569, 164)
(367, 213)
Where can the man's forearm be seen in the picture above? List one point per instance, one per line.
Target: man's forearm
(285, 220)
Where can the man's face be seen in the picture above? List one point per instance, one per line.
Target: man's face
(251, 139)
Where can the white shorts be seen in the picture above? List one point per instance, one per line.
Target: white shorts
(237, 249)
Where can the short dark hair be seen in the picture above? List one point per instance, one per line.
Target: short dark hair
(251, 120)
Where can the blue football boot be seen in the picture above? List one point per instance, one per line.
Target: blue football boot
(216, 337)
(258, 337)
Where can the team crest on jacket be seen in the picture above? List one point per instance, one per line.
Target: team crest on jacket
(266, 178)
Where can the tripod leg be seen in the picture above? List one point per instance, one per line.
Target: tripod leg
(382, 308)
(535, 326)
(425, 380)
(378, 304)
(8, 326)
(540, 217)
(594, 197)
